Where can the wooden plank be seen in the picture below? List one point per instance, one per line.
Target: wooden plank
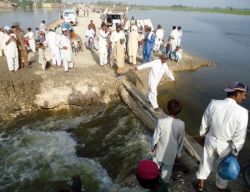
(143, 115)
(142, 99)
(136, 101)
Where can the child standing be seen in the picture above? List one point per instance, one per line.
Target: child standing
(168, 139)
(120, 57)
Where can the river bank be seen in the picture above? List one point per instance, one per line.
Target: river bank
(34, 89)
(88, 86)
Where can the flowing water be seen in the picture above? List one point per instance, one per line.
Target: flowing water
(43, 150)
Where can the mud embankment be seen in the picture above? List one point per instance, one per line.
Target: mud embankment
(33, 89)
(84, 87)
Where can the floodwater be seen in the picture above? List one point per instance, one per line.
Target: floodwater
(41, 151)
(222, 38)
(28, 18)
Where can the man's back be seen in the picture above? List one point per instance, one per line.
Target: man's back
(169, 137)
(226, 121)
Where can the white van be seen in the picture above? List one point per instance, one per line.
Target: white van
(69, 15)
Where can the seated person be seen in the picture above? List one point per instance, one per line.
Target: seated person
(177, 54)
(89, 34)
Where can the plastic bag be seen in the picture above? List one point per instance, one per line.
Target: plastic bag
(229, 168)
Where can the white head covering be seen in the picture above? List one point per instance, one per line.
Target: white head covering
(134, 28)
(64, 29)
(7, 28)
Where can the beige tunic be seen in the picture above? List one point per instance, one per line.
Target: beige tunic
(120, 57)
(133, 39)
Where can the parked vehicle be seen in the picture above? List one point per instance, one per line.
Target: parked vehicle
(114, 18)
(69, 16)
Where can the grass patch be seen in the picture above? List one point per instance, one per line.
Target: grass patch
(208, 10)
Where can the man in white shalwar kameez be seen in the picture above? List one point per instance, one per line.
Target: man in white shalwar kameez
(158, 67)
(66, 50)
(173, 39)
(133, 40)
(52, 39)
(115, 38)
(179, 36)
(43, 27)
(159, 35)
(31, 38)
(11, 51)
(224, 125)
(89, 34)
(103, 50)
(168, 139)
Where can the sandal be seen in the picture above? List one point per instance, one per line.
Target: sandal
(197, 187)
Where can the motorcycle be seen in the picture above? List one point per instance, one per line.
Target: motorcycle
(90, 44)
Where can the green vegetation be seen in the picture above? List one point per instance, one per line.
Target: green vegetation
(28, 4)
(228, 10)
(23, 3)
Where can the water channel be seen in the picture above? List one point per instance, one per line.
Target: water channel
(41, 151)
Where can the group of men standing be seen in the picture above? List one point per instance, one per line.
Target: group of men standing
(14, 47)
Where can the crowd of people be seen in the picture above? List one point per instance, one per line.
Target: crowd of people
(53, 45)
(224, 123)
(116, 44)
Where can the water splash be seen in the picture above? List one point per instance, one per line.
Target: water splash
(33, 157)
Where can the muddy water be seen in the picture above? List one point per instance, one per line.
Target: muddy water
(41, 152)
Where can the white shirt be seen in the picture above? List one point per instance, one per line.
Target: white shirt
(159, 34)
(52, 39)
(2, 43)
(42, 27)
(174, 35)
(11, 48)
(225, 121)
(169, 137)
(115, 37)
(158, 69)
(29, 35)
(179, 37)
(89, 33)
(66, 54)
(103, 40)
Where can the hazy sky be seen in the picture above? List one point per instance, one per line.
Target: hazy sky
(198, 3)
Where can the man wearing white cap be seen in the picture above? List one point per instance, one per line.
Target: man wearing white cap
(11, 51)
(224, 126)
(66, 50)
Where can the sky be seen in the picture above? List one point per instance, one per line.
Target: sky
(195, 3)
